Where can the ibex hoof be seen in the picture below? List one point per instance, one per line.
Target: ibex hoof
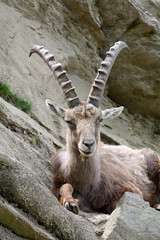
(71, 206)
(158, 207)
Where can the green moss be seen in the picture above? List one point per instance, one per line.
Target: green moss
(14, 99)
(34, 138)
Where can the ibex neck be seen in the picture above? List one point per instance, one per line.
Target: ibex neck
(81, 171)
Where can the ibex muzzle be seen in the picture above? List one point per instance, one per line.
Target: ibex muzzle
(87, 144)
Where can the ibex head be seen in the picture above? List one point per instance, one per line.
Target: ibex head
(83, 117)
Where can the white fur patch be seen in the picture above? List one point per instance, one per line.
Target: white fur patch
(158, 207)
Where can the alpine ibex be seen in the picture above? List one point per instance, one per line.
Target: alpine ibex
(98, 173)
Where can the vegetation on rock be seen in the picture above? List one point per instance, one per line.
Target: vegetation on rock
(14, 99)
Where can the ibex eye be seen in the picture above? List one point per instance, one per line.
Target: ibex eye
(70, 122)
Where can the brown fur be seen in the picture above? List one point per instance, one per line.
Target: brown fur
(102, 178)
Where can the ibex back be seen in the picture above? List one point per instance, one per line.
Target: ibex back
(97, 173)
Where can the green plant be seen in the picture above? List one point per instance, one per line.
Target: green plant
(14, 99)
(34, 138)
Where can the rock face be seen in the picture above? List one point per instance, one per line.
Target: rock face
(133, 219)
(78, 33)
(134, 81)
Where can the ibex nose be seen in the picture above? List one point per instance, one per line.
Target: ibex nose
(89, 143)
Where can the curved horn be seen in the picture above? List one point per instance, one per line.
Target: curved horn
(69, 91)
(97, 88)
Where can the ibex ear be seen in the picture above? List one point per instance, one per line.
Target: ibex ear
(111, 113)
(59, 111)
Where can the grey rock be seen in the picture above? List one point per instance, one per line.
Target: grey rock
(9, 235)
(134, 81)
(18, 131)
(133, 219)
(14, 220)
(77, 33)
(97, 220)
(19, 185)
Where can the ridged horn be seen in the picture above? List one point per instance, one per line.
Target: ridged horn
(97, 88)
(69, 91)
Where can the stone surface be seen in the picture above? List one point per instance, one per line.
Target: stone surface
(134, 81)
(133, 219)
(7, 234)
(55, 27)
(78, 33)
(97, 220)
(19, 185)
(11, 218)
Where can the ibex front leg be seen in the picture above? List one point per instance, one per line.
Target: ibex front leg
(67, 199)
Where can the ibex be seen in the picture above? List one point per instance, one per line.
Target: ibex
(97, 173)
